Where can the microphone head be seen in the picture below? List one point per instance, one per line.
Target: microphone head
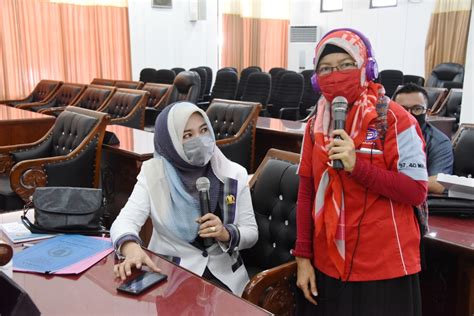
(203, 184)
(339, 108)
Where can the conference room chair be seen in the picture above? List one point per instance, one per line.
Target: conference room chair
(271, 266)
(256, 67)
(390, 80)
(276, 74)
(185, 87)
(68, 155)
(165, 76)
(452, 85)
(414, 79)
(66, 94)
(209, 77)
(103, 82)
(310, 97)
(436, 96)
(288, 93)
(224, 87)
(229, 68)
(147, 75)
(234, 124)
(158, 94)
(244, 75)
(177, 70)
(446, 72)
(127, 107)
(451, 107)
(463, 142)
(257, 89)
(203, 81)
(43, 90)
(94, 98)
(128, 84)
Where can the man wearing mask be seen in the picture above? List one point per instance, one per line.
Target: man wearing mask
(439, 150)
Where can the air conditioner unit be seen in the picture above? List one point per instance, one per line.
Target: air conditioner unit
(302, 42)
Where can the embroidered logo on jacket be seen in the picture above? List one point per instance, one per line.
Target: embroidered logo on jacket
(372, 134)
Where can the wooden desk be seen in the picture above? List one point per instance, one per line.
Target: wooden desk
(276, 133)
(448, 282)
(444, 124)
(94, 293)
(121, 164)
(21, 127)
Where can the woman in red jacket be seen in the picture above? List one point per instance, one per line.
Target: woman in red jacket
(357, 245)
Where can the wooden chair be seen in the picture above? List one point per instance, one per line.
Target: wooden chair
(67, 94)
(43, 90)
(128, 84)
(68, 155)
(103, 82)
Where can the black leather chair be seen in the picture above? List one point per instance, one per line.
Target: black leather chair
(147, 75)
(436, 97)
(165, 76)
(68, 93)
(309, 98)
(446, 72)
(257, 89)
(272, 269)
(43, 90)
(451, 107)
(202, 73)
(126, 84)
(127, 107)
(158, 95)
(68, 155)
(230, 68)
(94, 98)
(463, 142)
(276, 74)
(391, 79)
(209, 77)
(234, 124)
(177, 70)
(288, 93)
(102, 82)
(185, 87)
(420, 81)
(225, 85)
(244, 75)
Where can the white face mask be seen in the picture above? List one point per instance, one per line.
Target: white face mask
(199, 150)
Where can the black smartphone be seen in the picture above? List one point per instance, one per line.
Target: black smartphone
(142, 282)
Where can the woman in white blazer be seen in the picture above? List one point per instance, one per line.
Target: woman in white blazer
(166, 191)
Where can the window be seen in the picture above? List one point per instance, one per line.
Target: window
(331, 5)
(382, 3)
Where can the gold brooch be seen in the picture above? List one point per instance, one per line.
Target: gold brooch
(230, 199)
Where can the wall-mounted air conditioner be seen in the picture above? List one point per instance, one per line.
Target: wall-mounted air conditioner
(302, 42)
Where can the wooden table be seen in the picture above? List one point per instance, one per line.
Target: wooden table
(448, 282)
(276, 133)
(21, 127)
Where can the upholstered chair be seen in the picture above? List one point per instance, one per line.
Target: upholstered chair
(391, 79)
(127, 107)
(68, 155)
(147, 75)
(234, 124)
(244, 75)
(103, 82)
(446, 72)
(43, 90)
(287, 98)
(271, 266)
(158, 95)
(68, 93)
(128, 84)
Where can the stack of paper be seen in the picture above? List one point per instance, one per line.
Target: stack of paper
(18, 233)
(459, 187)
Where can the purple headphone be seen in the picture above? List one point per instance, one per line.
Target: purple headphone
(371, 69)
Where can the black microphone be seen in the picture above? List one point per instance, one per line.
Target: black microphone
(202, 185)
(339, 110)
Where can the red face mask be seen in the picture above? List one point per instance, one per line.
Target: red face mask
(345, 84)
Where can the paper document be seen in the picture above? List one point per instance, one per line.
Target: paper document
(17, 233)
(459, 187)
(62, 253)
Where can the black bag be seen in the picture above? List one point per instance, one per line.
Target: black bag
(66, 210)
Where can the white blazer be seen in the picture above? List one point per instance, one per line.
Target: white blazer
(219, 259)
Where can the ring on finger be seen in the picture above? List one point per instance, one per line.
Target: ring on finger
(212, 229)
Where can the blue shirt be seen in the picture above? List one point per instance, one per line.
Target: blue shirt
(439, 151)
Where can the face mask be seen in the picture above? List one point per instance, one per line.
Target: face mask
(345, 84)
(199, 150)
(421, 119)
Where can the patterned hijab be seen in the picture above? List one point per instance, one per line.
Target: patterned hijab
(329, 204)
(180, 173)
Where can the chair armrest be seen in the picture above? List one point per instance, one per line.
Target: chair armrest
(53, 111)
(285, 113)
(203, 105)
(271, 289)
(26, 106)
(6, 164)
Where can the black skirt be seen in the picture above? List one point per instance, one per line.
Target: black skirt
(393, 297)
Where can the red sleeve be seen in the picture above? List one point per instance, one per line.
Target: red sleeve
(394, 185)
(304, 219)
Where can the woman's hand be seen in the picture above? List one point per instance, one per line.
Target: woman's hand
(306, 279)
(211, 226)
(135, 256)
(342, 149)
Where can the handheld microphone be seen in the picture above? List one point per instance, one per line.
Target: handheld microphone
(339, 110)
(202, 185)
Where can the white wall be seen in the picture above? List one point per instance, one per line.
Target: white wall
(467, 111)
(165, 38)
(397, 34)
